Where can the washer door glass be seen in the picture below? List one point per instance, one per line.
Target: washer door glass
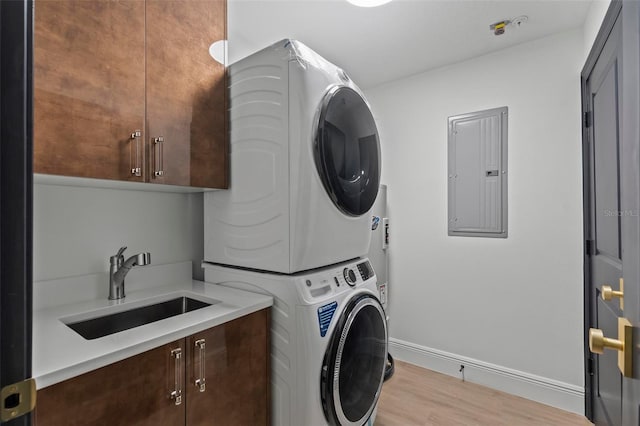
(347, 151)
(355, 362)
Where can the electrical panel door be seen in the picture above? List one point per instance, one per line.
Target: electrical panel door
(478, 174)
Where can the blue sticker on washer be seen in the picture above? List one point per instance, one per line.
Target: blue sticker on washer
(325, 315)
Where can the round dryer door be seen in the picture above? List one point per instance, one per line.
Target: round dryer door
(354, 364)
(347, 151)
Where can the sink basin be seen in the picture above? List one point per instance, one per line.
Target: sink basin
(109, 324)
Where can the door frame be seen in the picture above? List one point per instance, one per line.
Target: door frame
(603, 34)
(16, 179)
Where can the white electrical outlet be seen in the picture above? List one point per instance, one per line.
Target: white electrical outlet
(382, 288)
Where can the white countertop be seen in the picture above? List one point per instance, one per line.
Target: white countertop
(59, 353)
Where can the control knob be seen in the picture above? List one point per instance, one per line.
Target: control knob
(349, 276)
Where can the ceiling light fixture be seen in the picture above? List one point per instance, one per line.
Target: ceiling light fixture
(368, 3)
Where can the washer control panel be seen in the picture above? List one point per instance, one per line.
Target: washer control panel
(350, 276)
(325, 282)
(365, 269)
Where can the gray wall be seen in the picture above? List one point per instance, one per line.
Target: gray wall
(76, 229)
(515, 303)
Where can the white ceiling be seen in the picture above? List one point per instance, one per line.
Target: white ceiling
(401, 38)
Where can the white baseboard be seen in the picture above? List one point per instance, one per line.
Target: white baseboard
(541, 389)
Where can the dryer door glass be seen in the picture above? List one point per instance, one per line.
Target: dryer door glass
(347, 151)
(355, 362)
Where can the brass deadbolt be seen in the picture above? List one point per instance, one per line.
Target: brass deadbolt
(608, 293)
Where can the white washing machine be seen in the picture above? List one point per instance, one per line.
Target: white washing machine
(328, 341)
(304, 164)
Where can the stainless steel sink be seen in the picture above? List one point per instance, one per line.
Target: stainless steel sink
(109, 324)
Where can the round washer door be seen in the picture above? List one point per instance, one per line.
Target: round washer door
(347, 151)
(354, 364)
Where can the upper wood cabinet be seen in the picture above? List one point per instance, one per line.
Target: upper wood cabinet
(127, 90)
(89, 87)
(186, 92)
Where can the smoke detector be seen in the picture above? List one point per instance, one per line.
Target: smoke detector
(499, 27)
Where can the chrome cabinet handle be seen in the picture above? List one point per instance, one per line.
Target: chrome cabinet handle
(158, 144)
(176, 393)
(200, 381)
(136, 169)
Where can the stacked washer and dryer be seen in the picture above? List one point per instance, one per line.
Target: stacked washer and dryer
(295, 224)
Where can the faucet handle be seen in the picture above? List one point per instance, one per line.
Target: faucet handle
(118, 258)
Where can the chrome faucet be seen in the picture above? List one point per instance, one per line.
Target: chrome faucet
(120, 268)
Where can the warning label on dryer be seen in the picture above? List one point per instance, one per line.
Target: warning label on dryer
(325, 315)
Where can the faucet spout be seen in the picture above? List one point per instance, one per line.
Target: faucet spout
(119, 270)
(140, 259)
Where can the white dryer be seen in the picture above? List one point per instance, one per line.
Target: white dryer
(305, 165)
(328, 341)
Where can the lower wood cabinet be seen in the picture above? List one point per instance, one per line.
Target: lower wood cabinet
(216, 377)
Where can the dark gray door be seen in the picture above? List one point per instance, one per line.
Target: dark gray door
(630, 199)
(611, 179)
(15, 212)
(605, 257)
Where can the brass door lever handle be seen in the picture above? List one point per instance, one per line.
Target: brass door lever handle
(597, 342)
(623, 344)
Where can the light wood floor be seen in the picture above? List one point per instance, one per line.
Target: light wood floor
(415, 396)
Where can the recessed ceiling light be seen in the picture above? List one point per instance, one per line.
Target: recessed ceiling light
(368, 3)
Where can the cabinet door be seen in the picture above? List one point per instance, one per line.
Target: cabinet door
(186, 93)
(235, 366)
(89, 94)
(135, 391)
